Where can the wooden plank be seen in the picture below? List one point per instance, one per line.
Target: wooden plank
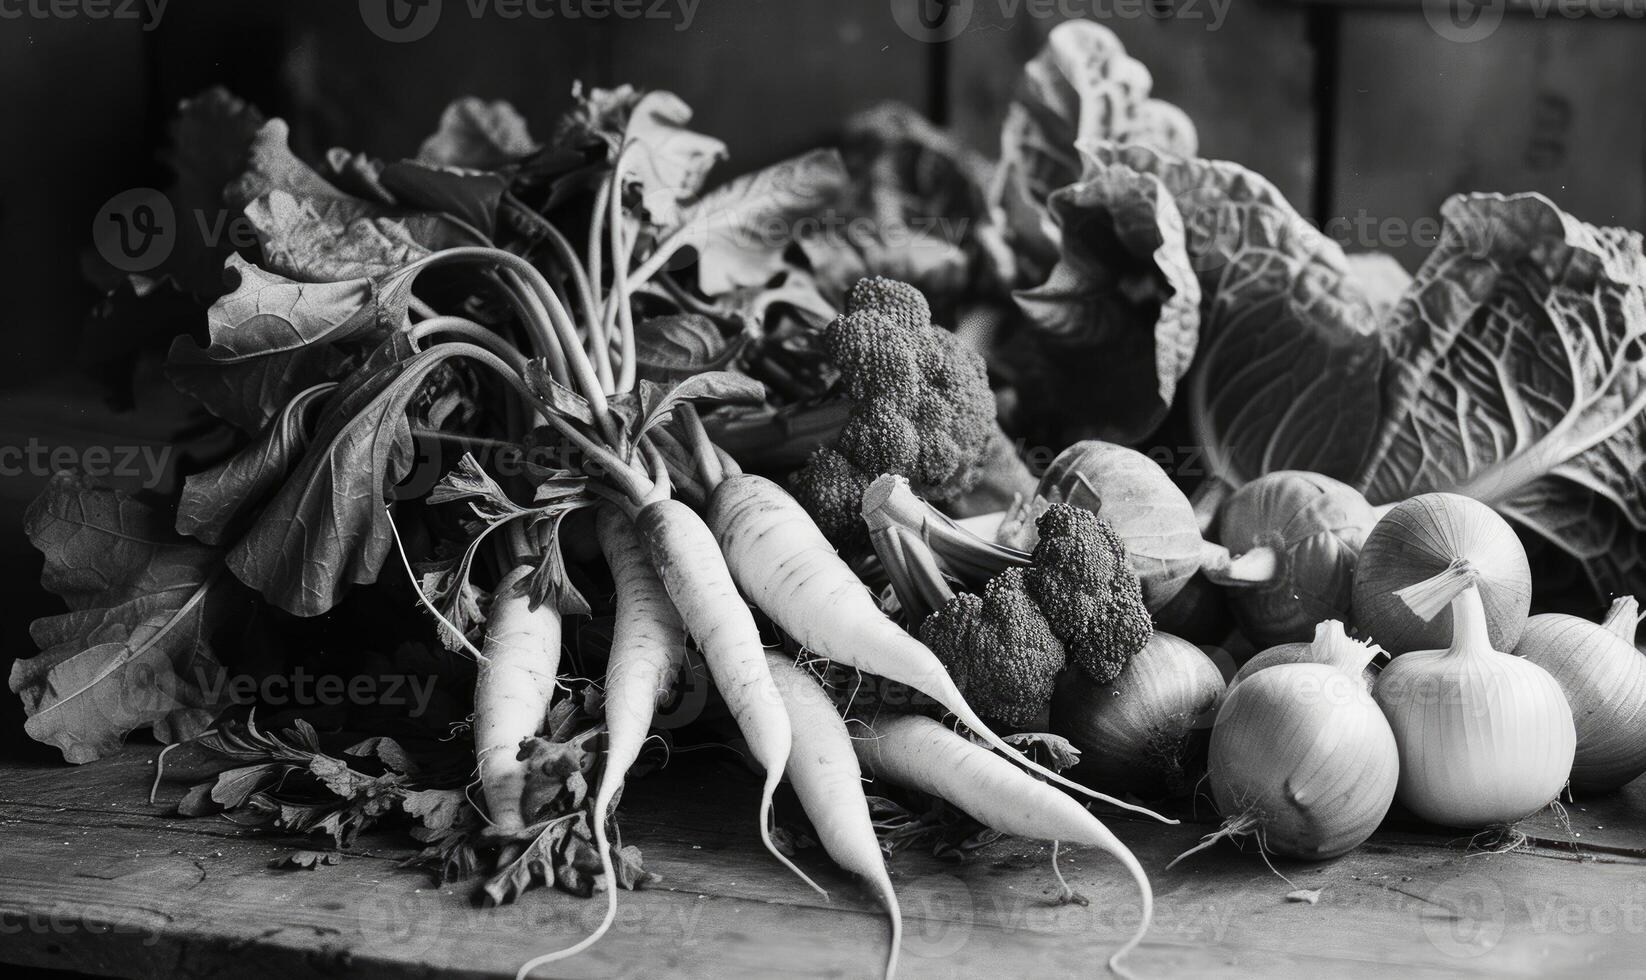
(1247, 80)
(99, 881)
(1541, 104)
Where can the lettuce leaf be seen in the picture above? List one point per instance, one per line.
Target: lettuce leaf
(134, 651)
(1518, 377)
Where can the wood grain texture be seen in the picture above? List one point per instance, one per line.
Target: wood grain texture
(1247, 80)
(99, 881)
(1541, 104)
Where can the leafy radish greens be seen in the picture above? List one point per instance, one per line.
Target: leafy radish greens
(136, 648)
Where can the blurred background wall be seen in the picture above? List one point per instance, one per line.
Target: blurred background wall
(1367, 115)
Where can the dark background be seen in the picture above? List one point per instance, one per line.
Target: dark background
(1356, 111)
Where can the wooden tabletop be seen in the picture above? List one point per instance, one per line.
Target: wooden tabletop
(95, 879)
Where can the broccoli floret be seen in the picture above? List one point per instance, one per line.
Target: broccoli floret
(902, 302)
(832, 491)
(921, 407)
(1074, 599)
(999, 648)
(1082, 579)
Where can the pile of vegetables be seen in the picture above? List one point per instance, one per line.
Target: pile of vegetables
(620, 447)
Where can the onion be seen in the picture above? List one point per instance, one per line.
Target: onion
(1604, 678)
(1302, 759)
(1418, 539)
(1485, 738)
(1145, 730)
(1147, 510)
(1331, 646)
(1315, 527)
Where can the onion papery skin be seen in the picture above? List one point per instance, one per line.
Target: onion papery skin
(1316, 526)
(1145, 730)
(1304, 751)
(1148, 511)
(1420, 538)
(1604, 680)
(1485, 739)
(1295, 653)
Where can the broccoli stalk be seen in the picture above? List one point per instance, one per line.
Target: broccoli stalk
(1075, 598)
(891, 502)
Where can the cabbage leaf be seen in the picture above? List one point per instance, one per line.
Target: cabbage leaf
(1082, 87)
(1123, 300)
(1288, 334)
(1518, 377)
